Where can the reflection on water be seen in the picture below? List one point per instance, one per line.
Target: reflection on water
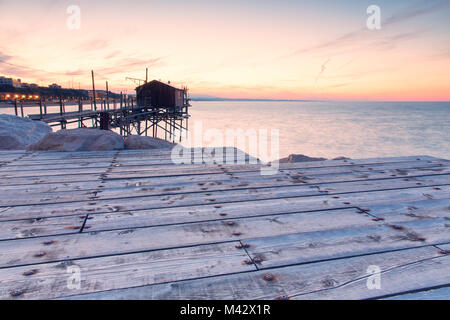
(331, 129)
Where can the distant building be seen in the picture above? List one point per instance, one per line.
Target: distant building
(30, 85)
(98, 94)
(159, 94)
(17, 83)
(54, 86)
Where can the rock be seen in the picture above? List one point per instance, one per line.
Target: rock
(81, 139)
(299, 158)
(143, 142)
(341, 158)
(16, 133)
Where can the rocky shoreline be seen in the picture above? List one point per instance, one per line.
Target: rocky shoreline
(18, 133)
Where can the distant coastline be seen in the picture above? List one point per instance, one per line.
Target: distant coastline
(250, 100)
(297, 100)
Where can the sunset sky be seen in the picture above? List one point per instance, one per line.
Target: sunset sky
(282, 49)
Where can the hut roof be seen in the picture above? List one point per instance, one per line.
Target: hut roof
(158, 82)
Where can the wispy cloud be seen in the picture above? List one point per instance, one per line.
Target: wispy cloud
(362, 35)
(94, 45)
(13, 66)
(113, 54)
(322, 69)
(420, 9)
(129, 64)
(4, 57)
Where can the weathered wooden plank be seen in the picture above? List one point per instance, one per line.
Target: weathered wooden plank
(9, 157)
(419, 275)
(40, 227)
(87, 167)
(263, 184)
(126, 154)
(48, 281)
(133, 172)
(198, 198)
(28, 165)
(6, 160)
(100, 193)
(142, 158)
(95, 157)
(20, 252)
(43, 173)
(55, 155)
(339, 279)
(411, 211)
(214, 182)
(332, 244)
(433, 294)
(255, 201)
(425, 209)
(8, 152)
(119, 170)
(218, 181)
(134, 160)
(50, 179)
(43, 188)
(237, 171)
(445, 246)
(12, 153)
(22, 166)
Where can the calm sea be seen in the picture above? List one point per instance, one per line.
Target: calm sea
(332, 129)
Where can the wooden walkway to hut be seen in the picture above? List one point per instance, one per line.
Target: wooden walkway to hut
(135, 226)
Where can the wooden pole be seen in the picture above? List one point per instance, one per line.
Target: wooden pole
(21, 108)
(104, 121)
(93, 90)
(60, 106)
(107, 96)
(146, 75)
(40, 108)
(15, 108)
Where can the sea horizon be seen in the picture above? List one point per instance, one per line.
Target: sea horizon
(327, 129)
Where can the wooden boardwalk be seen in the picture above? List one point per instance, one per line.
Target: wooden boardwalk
(135, 226)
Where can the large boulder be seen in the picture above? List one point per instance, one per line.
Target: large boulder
(143, 142)
(299, 158)
(16, 133)
(81, 139)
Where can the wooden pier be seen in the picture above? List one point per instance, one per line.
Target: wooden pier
(128, 118)
(135, 226)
